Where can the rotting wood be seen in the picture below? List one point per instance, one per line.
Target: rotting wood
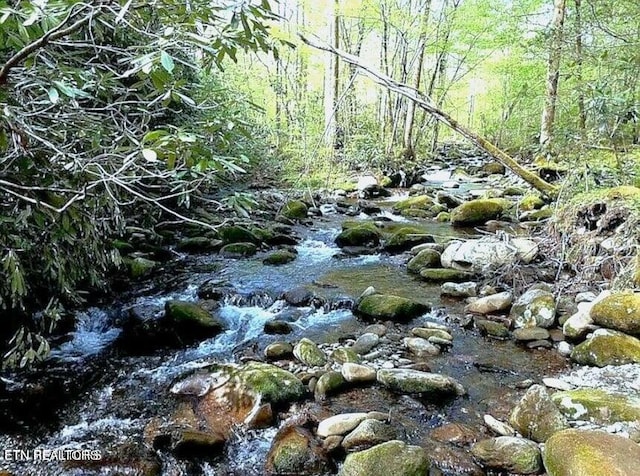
(425, 103)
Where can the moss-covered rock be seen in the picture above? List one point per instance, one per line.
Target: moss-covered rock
(597, 405)
(536, 416)
(417, 213)
(478, 212)
(186, 316)
(530, 202)
(537, 215)
(535, 308)
(364, 235)
(388, 307)
(141, 267)
(507, 453)
(443, 217)
(422, 202)
(198, 244)
(441, 275)
(238, 250)
(586, 453)
(426, 258)
(329, 383)
(271, 383)
(343, 355)
(307, 352)
(393, 458)
(295, 210)
(279, 257)
(607, 347)
(368, 433)
(278, 350)
(415, 381)
(237, 234)
(406, 238)
(620, 311)
(492, 328)
(295, 450)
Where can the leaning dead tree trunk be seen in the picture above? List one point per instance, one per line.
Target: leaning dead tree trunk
(425, 103)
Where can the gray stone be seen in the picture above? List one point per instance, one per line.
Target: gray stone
(506, 453)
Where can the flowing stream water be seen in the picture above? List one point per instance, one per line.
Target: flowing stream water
(122, 392)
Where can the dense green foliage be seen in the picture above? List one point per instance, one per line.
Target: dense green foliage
(105, 107)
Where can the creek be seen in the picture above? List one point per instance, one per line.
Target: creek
(120, 393)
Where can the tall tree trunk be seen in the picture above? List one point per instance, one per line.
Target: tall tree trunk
(553, 74)
(427, 104)
(332, 80)
(407, 139)
(582, 113)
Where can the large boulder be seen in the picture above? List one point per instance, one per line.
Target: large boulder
(295, 450)
(507, 453)
(294, 210)
(415, 381)
(238, 250)
(393, 458)
(439, 275)
(587, 453)
(279, 257)
(488, 253)
(597, 405)
(536, 417)
(420, 202)
(237, 234)
(358, 236)
(406, 238)
(427, 258)
(388, 307)
(535, 308)
(190, 321)
(607, 347)
(619, 311)
(368, 433)
(478, 212)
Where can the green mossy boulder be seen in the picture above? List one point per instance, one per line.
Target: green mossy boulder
(406, 238)
(385, 307)
(492, 328)
(238, 250)
(536, 417)
(422, 202)
(597, 405)
(506, 453)
(307, 352)
(279, 257)
(535, 308)
(343, 355)
(198, 244)
(443, 217)
(478, 212)
(329, 383)
(295, 450)
(189, 313)
(393, 458)
(415, 381)
(589, 453)
(607, 347)
(417, 213)
(364, 235)
(530, 202)
(141, 267)
(271, 383)
(426, 258)
(620, 311)
(295, 210)
(441, 275)
(237, 234)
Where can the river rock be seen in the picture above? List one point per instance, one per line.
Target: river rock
(421, 202)
(499, 427)
(586, 453)
(388, 307)
(393, 458)
(237, 234)
(238, 250)
(365, 343)
(487, 253)
(330, 382)
(421, 347)
(461, 290)
(295, 450)
(368, 433)
(526, 334)
(140, 267)
(294, 210)
(426, 258)
(607, 347)
(340, 424)
(492, 328)
(620, 311)
(535, 308)
(580, 323)
(416, 381)
(357, 373)
(448, 200)
(343, 355)
(406, 238)
(189, 321)
(489, 304)
(198, 244)
(507, 453)
(278, 350)
(275, 326)
(279, 257)
(299, 296)
(454, 433)
(428, 333)
(379, 329)
(307, 352)
(478, 212)
(438, 275)
(597, 405)
(367, 236)
(536, 416)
